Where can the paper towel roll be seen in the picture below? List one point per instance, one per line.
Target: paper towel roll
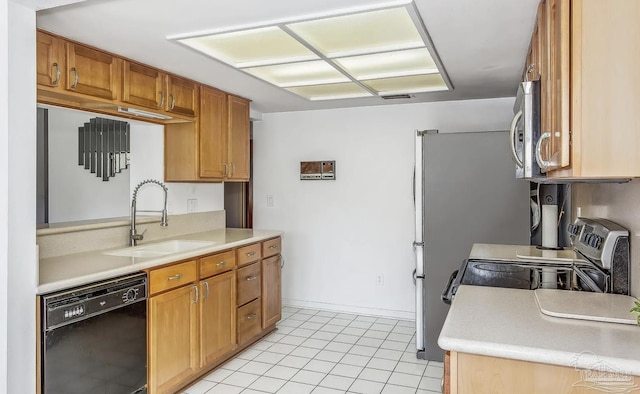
(549, 240)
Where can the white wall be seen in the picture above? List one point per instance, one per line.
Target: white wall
(339, 235)
(22, 258)
(76, 194)
(4, 191)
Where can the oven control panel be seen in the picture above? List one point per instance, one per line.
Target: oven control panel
(596, 238)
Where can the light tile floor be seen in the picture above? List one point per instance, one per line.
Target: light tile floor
(327, 352)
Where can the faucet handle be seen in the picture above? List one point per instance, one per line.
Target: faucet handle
(138, 237)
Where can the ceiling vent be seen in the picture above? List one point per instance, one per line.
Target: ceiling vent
(397, 96)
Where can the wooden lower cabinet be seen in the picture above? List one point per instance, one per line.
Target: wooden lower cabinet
(471, 373)
(271, 294)
(172, 339)
(249, 318)
(218, 317)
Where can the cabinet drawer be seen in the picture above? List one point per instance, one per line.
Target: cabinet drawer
(171, 277)
(271, 247)
(248, 283)
(248, 254)
(217, 263)
(249, 318)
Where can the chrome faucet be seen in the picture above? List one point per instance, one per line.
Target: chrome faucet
(134, 237)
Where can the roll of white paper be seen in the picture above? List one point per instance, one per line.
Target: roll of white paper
(549, 240)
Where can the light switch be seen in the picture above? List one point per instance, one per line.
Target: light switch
(269, 200)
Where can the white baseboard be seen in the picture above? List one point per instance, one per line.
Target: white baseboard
(387, 313)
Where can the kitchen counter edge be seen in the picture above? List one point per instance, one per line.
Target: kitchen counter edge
(107, 267)
(507, 323)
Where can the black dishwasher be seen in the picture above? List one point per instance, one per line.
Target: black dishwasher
(94, 338)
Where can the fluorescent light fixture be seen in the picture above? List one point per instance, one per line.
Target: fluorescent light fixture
(141, 113)
(299, 74)
(355, 54)
(330, 91)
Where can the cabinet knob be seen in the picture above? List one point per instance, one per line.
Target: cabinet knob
(254, 277)
(251, 254)
(273, 247)
(221, 264)
(252, 316)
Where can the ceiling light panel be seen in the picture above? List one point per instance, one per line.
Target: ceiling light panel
(383, 51)
(411, 84)
(249, 48)
(389, 64)
(355, 34)
(297, 74)
(330, 91)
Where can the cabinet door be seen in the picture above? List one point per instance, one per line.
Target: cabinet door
(271, 294)
(182, 96)
(49, 60)
(238, 139)
(142, 85)
(556, 151)
(91, 72)
(218, 317)
(172, 338)
(213, 133)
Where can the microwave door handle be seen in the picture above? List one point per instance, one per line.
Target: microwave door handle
(541, 162)
(512, 139)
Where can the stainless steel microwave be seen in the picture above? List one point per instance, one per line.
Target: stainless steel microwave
(525, 131)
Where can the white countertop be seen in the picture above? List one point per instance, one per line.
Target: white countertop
(507, 323)
(62, 272)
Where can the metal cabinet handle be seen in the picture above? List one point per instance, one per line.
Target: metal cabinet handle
(252, 316)
(57, 73)
(545, 164)
(173, 101)
(531, 67)
(226, 169)
(251, 254)
(233, 169)
(175, 277)
(195, 300)
(161, 100)
(254, 277)
(273, 247)
(221, 264)
(206, 294)
(512, 139)
(281, 262)
(75, 77)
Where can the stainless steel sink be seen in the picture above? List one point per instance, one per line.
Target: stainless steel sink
(160, 249)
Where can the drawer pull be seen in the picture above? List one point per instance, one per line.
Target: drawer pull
(273, 247)
(252, 316)
(221, 264)
(254, 277)
(251, 254)
(175, 277)
(195, 301)
(206, 286)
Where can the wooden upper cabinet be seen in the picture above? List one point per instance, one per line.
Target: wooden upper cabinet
(91, 72)
(557, 137)
(182, 96)
(143, 85)
(238, 139)
(595, 88)
(50, 63)
(213, 133)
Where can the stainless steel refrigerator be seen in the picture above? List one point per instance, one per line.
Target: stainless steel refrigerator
(465, 192)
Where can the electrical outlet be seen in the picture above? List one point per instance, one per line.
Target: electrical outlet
(269, 200)
(380, 280)
(192, 205)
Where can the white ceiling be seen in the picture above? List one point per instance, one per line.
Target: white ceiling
(482, 44)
